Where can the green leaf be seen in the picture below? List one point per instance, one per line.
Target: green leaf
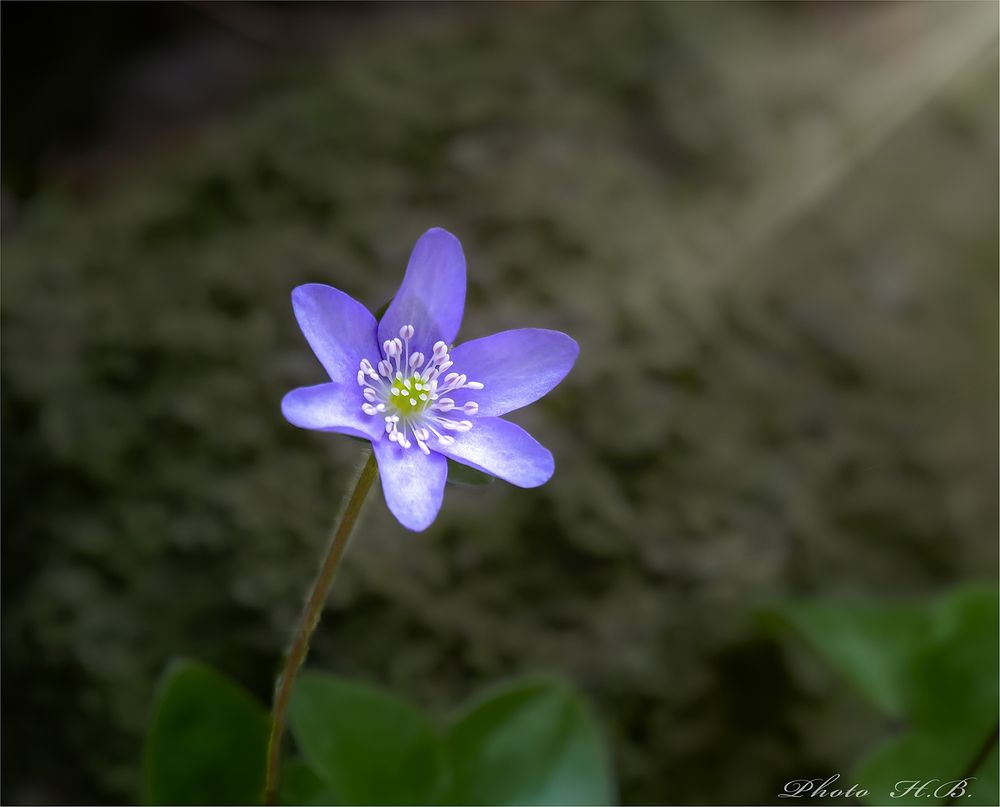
(949, 690)
(368, 745)
(301, 785)
(207, 743)
(382, 309)
(985, 790)
(460, 474)
(941, 759)
(867, 644)
(534, 742)
(952, 677)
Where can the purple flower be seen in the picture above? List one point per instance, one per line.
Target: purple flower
(400, 384)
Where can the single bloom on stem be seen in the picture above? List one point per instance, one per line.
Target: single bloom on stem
(400, 384)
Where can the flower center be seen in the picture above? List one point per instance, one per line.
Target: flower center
(408, 391)
(410, 396)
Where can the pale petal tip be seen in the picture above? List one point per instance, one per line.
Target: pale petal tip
(301, 294)
(441, 232)
(543, 474)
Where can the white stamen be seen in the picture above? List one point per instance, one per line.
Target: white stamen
(416, 379)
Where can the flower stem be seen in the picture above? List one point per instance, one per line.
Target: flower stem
(310, 618)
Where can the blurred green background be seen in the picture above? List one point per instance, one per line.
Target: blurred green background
(771, 228)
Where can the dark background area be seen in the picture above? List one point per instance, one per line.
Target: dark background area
(772, 229)
(92, 85)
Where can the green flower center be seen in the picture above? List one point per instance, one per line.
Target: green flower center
(416, 405)
(409, 396)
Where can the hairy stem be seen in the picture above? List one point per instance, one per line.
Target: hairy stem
(310, 618)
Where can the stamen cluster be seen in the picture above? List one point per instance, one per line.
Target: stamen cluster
(407, 389)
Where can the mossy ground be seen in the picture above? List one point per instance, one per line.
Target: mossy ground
(771, 398)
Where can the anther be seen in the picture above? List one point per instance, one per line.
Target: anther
(414, 388)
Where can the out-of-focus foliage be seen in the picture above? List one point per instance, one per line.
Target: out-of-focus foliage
(529, 742)
(300, 784)
(868, 644)
(207, 740)
(464, 475)
(369, 746)
(935, 666)
(810, 408)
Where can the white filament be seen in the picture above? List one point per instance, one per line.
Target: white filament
(383, 394)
